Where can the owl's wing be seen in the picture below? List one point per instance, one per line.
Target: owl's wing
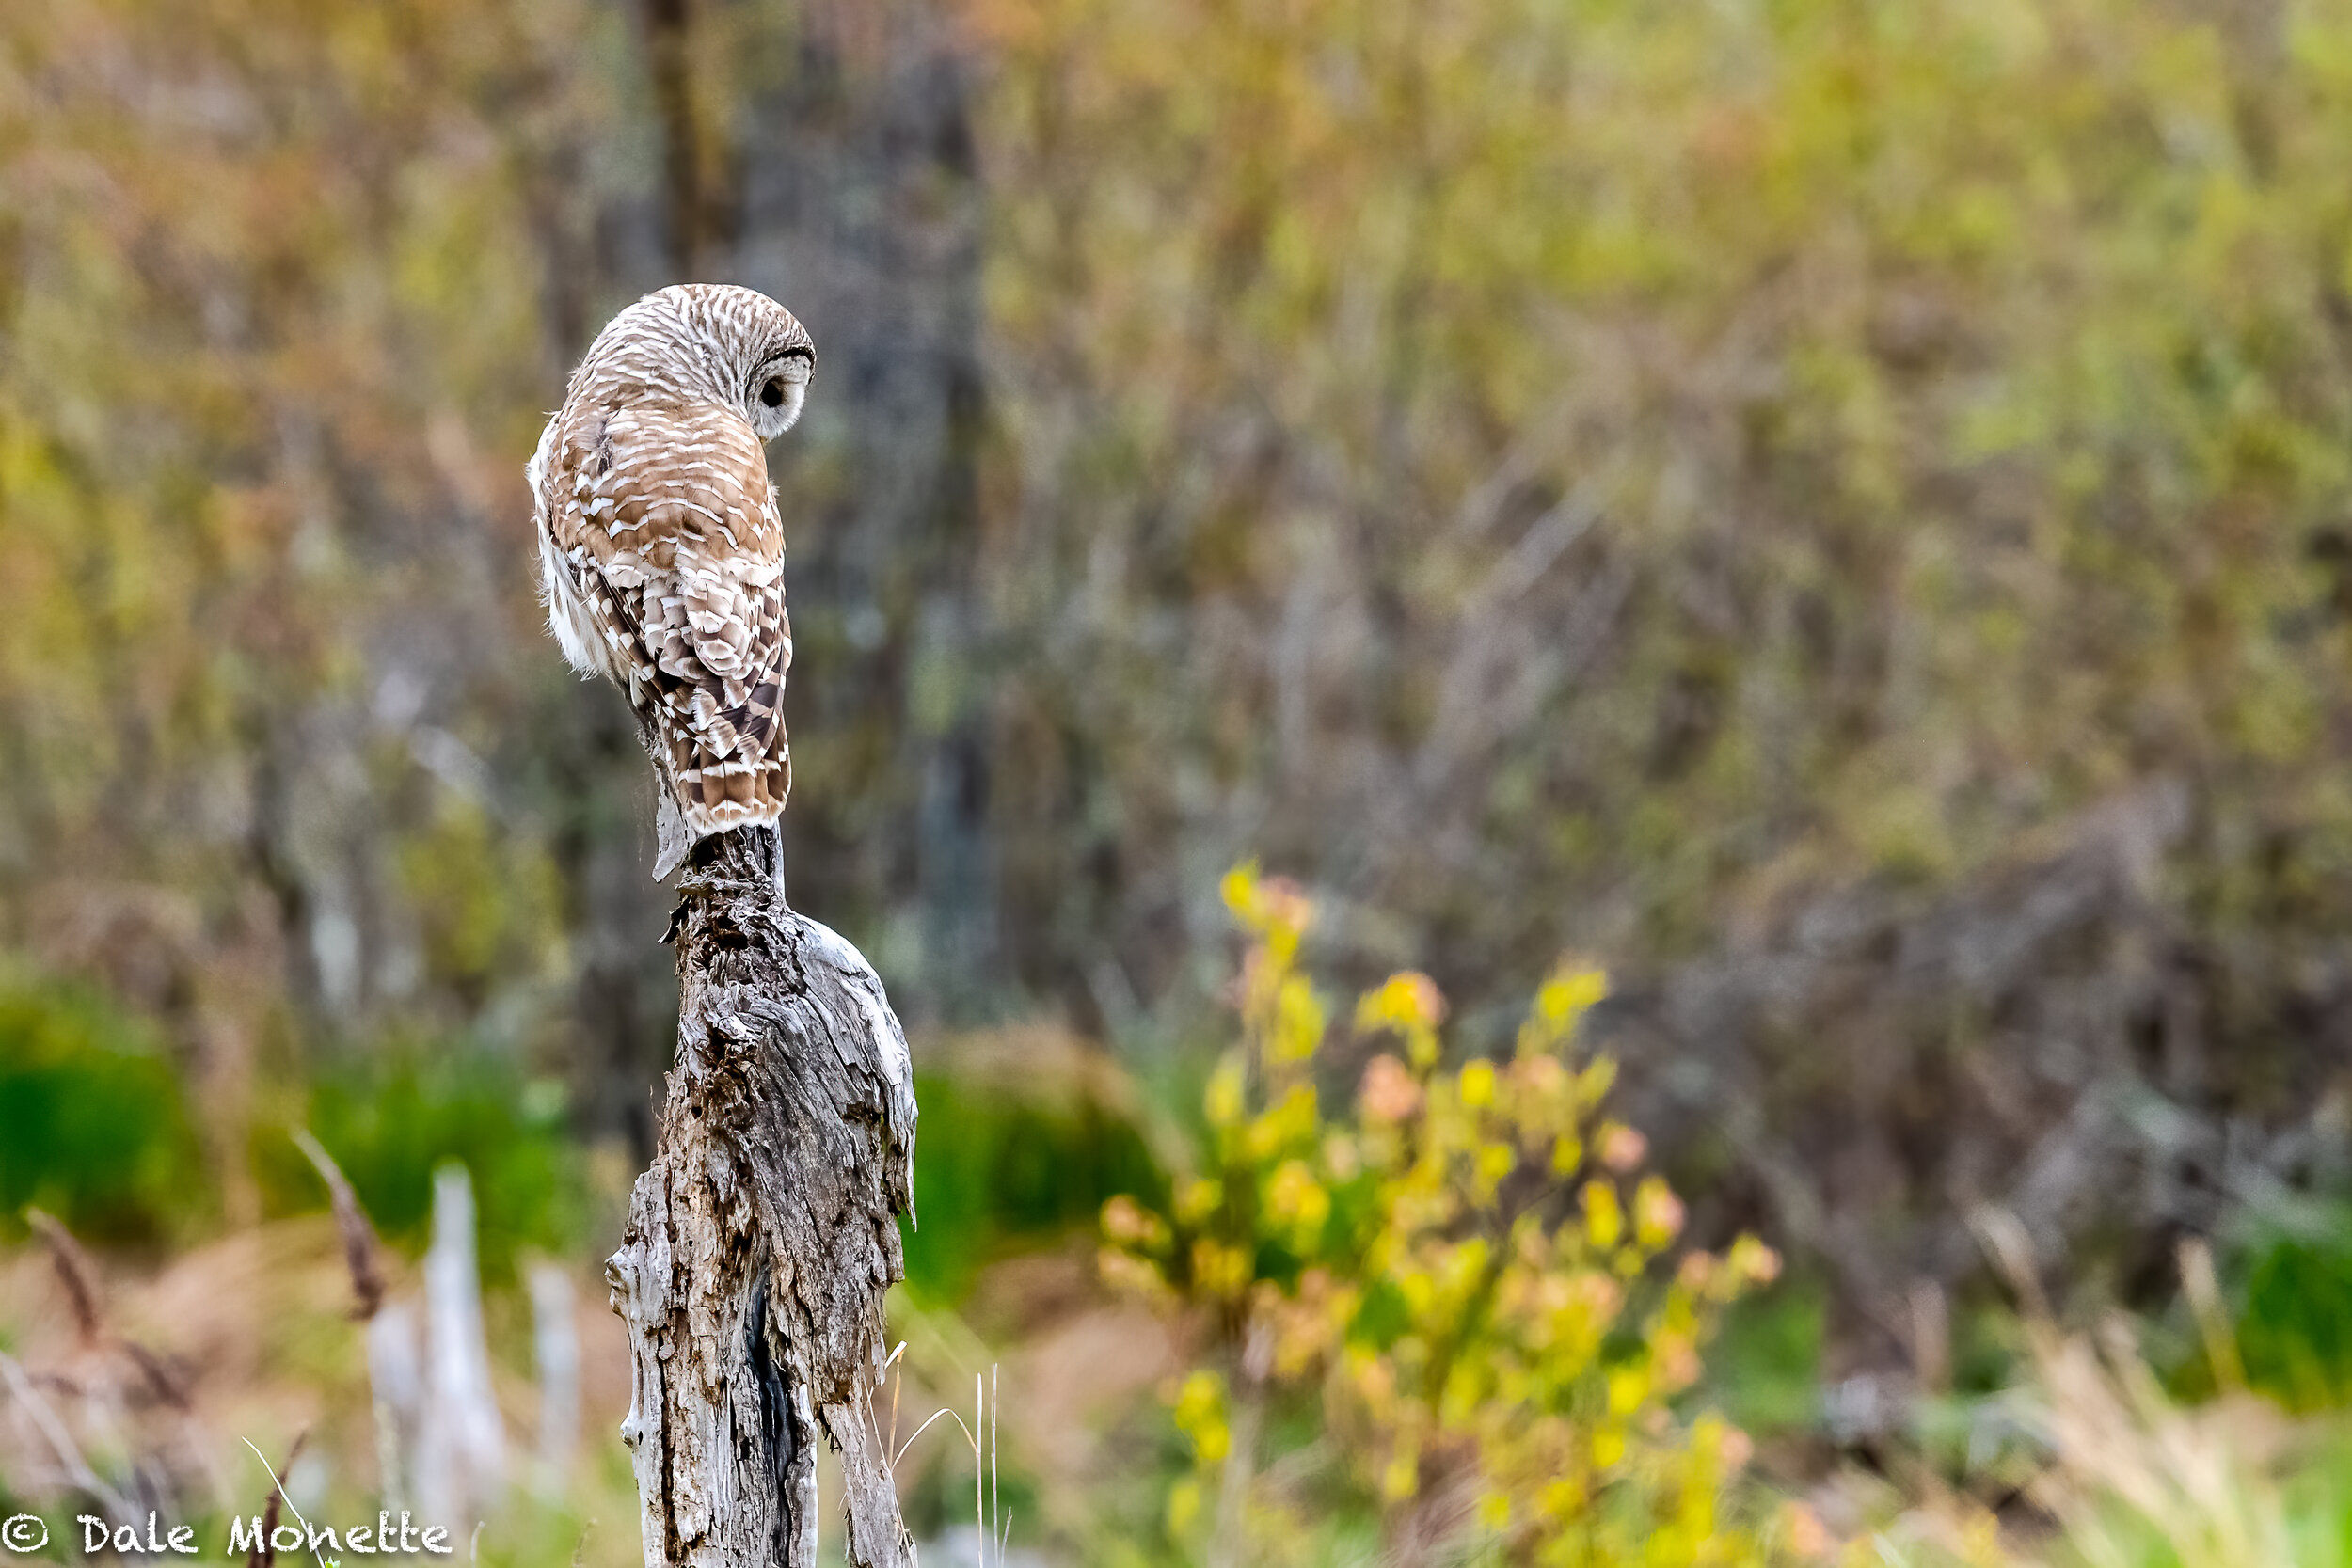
(678, 556)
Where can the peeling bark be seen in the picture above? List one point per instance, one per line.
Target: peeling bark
(761, 1241)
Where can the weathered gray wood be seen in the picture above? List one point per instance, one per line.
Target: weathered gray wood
(761, 1241)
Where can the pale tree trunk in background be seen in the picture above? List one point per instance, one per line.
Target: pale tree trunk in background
(760, 1242)
(460, 1467)
(555, 1346)
(861, 207)
(396, 1383)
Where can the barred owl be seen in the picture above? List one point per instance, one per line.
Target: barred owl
(661, 552)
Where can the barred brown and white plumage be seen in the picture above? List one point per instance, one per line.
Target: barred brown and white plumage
(662, 553)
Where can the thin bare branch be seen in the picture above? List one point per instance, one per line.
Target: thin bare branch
(360, 1252)
(264, 1553)
(74, 1272)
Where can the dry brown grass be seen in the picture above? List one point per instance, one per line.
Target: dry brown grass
(255, 1336)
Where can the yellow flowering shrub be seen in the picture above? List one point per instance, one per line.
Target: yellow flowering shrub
(1465, 1270)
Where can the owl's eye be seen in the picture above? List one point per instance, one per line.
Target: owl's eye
(773, 394)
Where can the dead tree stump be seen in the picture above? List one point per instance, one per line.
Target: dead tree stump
(761, 1241)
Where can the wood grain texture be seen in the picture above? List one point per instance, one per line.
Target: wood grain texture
(761, 1241)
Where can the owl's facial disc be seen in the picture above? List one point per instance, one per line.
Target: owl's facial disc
(777, 395)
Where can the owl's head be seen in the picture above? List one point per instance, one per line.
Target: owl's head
(707, 341)
(765, 347)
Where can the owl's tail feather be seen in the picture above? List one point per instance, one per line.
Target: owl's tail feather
(698, 796)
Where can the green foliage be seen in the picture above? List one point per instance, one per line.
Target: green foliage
(1459, 1272)
(1765, 1368)
(2295, 1322)
(392, 1120)
(1002, 1168)
(93, 1127)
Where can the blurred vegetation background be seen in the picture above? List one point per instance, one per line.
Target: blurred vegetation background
(1834, 512)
